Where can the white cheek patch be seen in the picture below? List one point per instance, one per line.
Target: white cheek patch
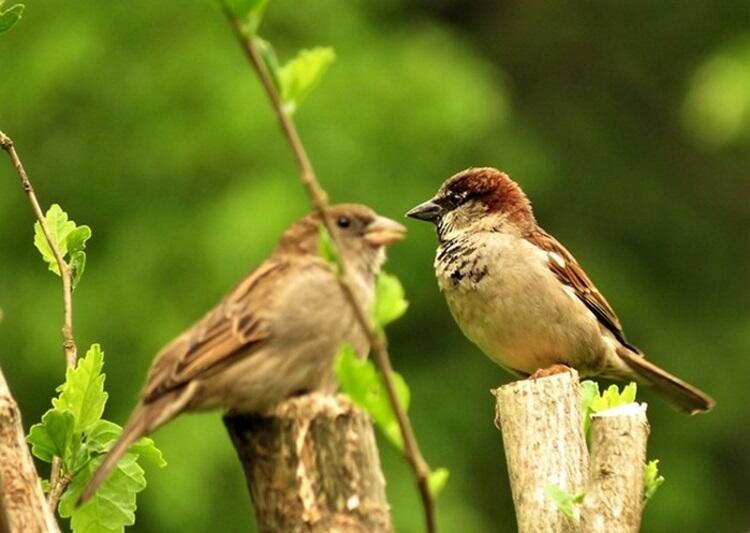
(557, 259)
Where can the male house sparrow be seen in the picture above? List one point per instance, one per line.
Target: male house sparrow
(273, 336)
(521, 297)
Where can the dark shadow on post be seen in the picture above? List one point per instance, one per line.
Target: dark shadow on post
(312, 464)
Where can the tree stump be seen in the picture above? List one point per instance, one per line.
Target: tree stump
(312, 465)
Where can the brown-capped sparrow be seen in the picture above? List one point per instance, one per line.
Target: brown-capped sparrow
(275, 335)
(522, 298)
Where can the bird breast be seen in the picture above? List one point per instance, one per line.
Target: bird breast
(506, 300)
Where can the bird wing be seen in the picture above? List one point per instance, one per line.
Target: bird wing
(232, 327)
(565, 267)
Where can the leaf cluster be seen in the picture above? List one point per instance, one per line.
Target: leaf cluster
(69, 238)
(74, 431)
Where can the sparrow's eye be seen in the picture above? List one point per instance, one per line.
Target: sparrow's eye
(455, 199)
(343, 222)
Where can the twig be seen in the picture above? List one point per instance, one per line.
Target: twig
(57, 481)
(319, 200)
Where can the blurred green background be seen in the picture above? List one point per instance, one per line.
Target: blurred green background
(627, 123)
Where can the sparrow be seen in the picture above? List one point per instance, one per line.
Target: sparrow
(521, 296)
(273, 336)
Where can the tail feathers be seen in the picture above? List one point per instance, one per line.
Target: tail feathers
(683, 396)
(146, 417)
(133, 431)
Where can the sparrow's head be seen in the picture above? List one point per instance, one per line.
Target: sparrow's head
(362, 233)
(477, 199)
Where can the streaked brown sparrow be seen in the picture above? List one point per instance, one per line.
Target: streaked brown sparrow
(521, 297)
(273, 336)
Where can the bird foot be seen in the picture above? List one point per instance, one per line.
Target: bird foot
(549, 371)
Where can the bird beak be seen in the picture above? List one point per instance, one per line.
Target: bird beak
(428, 211)
(383, 231)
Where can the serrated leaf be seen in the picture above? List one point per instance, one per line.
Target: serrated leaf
(145, 447)
(437, 481)
(10, 16)
(390, 303)
(52, 436)
(68, 239)
(612, 397)
(59, 228)
(361, 381)
(77, 265)
(101, 436)
(652, 480)
(77, 238)
(83, 391)
(564, 501)
(327, 248)
(104, 434)
(592, 401)
(300, 75)
(112, 507)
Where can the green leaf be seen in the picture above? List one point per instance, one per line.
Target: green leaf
(67, 237)
(589, 391)
(52, 436)
(565, 501)
(104, 434)
(390, 303)
(327, 248)
(77, 238)
(300, 75)
(101, 436)
(592, 401)
(78, 265)
(113, 506)
(652, 480)
(437, 480)
(145, 447)
(363, 383)
(83, 391)
(59, 228)
(249, 14)
(10, 16)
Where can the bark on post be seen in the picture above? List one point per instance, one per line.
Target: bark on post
(614, 496)
(312, 465)
(541, 425)
(23, 508)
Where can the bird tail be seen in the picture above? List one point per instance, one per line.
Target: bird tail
(134, 430)
(146, 417)
(683, 396)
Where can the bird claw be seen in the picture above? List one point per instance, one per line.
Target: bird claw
(549, 371)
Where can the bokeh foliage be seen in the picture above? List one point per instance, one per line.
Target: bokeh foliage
(626, 124)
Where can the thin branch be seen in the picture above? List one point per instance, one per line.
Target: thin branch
(319, 200)
(58, 482)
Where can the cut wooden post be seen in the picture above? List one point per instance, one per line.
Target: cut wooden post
(312, 465)
(541, 423)
(614, 495)
(23, 508)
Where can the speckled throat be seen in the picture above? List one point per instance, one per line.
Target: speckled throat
(459, 260)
